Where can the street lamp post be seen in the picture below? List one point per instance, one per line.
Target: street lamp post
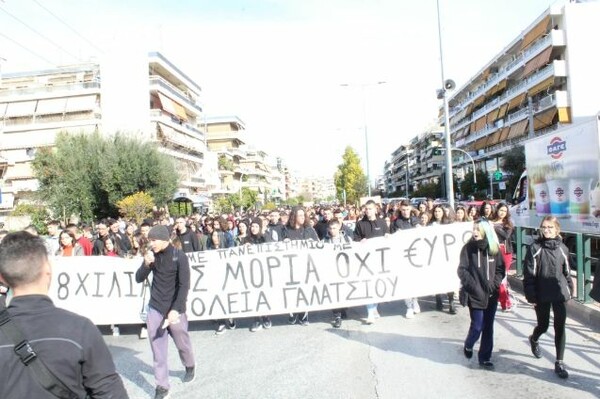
(472, 162)
(446, 85)
(364, 115)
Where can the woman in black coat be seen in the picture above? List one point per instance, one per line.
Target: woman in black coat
(481, 270)
(547, 284)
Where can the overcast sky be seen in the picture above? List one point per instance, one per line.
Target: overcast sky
(281, 65)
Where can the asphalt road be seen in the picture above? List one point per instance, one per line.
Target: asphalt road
(394, 358)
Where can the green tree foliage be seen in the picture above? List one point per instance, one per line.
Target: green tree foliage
(225, 163)
(37, 213)
(229, 203)
(478, 190)
(136, 206)
(350, 177)
(513, 164)
(86, 174)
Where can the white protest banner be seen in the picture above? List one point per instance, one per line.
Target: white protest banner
(276, 278)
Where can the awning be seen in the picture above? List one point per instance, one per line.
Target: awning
(51, 106)
(537, 62)
(504, 134)
(492, 116)
(518, 129)
(480, 124)
(20, 108)
(469, 109)
(479, 100)
(564, 115)
(516, 101)
(502, 110)
(549, 82)
(81, 103)
(480, 143)
(19, 171)
(493, 138)
(544, 119)
(172, 107)
(536, 32)
(496, 88)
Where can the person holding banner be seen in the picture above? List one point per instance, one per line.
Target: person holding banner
(370, 226)
(405, 221)
(438, 217)
(69, 345)
(298, 228)
(335, 236)
(256, 237)
(166, 311)
(481, 270)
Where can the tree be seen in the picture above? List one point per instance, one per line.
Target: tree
(228, 203)
(86, 174)
(479, 190)
(136, 206)
(513, 163)
(350, 178)
(37, 213)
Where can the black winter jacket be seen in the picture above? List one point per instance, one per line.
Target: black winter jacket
(480, 274)
(366, 228)
(302, 233)
(547, 275)
(403, 224)
(69, 344)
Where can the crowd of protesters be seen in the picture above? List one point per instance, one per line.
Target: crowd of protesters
(492, 237)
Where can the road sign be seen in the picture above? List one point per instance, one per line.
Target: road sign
(497, 175)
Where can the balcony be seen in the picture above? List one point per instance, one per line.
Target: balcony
(38, 91)
(160, 84)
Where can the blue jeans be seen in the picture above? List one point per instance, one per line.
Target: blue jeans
(482, 325)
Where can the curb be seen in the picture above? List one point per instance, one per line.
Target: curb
(588, 315)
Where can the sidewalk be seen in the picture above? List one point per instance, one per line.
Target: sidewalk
(587, 314)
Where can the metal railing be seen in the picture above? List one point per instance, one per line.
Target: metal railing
(582, 255)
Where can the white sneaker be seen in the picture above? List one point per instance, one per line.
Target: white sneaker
(115, 331)
(416, 308)
(371, 319)
(410, 314)
(376, 314)
(143, 333)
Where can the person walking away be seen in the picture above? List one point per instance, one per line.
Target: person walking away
(70, 345)
(547, 284)
(481, 270)
(166, 310)
(370, 226)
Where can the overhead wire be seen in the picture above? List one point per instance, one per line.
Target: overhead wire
(27, 49)
(40, 34)
(68, 26)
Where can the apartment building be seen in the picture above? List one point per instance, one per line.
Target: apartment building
(543, 79)
(416, 163)
(225, 136)
(147, 96)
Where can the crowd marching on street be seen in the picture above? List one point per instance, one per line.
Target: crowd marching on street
(162, 241)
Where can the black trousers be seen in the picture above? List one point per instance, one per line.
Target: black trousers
(542, 312)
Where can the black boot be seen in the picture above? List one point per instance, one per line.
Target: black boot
(452, 309)
(439, 305)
